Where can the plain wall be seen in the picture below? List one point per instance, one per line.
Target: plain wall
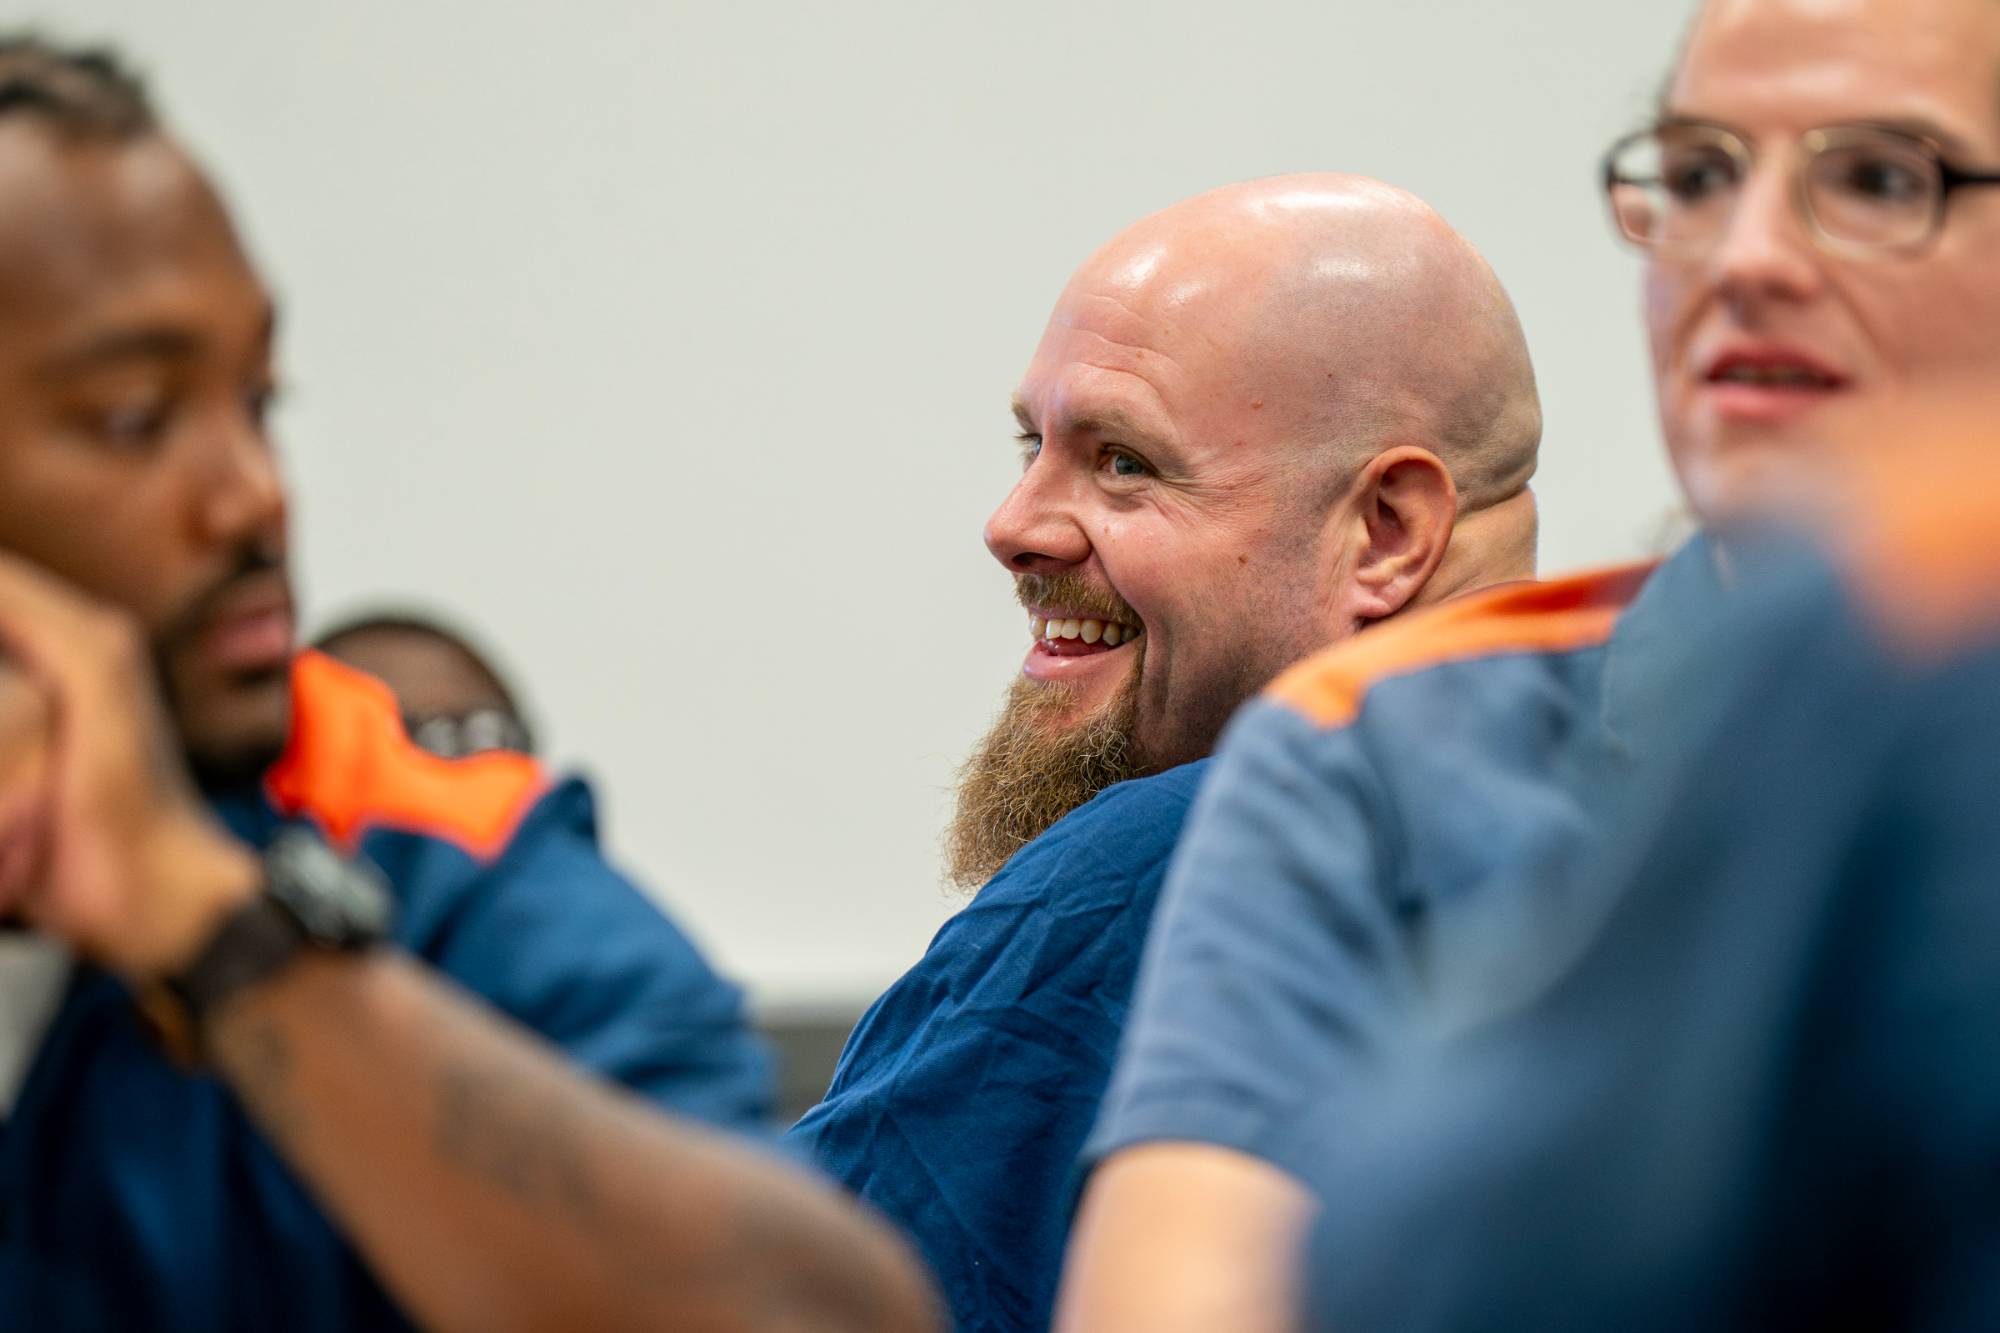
(669, 346)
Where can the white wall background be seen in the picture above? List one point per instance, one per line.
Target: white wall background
(670, 346)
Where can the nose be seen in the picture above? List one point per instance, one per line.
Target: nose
(1766, 253)
(239, 494)
(1035, 529)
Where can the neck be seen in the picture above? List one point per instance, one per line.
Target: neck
(1488, 546)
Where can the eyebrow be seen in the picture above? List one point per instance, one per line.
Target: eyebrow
(122, 345)
(1915, 127)
(1919, 128)
(157, 342)
(1108, 421)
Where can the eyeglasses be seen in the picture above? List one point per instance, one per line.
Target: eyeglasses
(457, 737)
(1863, 191)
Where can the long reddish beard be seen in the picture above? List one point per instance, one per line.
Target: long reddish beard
(1035, 766)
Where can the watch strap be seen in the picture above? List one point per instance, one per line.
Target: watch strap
(311, 899)
(255, 940)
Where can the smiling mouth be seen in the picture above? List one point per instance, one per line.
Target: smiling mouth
(1073, 636)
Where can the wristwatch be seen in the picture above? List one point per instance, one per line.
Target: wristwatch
(313, 899)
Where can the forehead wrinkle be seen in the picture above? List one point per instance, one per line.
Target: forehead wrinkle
(1097, 416)
(1172, 296)
(1126, 328)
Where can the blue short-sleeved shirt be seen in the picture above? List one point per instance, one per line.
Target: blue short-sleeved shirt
(134, 1196)
(965, 1093)
(1357, 817)
(1767, 1095)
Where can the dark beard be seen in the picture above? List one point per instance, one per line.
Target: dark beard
(226, 773)
(1030, 771)
(221, 768)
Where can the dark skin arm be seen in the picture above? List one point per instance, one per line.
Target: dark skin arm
(494, 1188)
(490, 1186)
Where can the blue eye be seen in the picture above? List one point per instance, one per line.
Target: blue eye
(1124, 465)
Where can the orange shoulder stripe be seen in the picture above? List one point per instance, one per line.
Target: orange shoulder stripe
(349, 766)
(1577, 612)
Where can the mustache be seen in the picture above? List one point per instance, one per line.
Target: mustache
(251, 563)
(1073, 592)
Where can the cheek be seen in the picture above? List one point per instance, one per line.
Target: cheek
(1165, 584)
(1936, 331)
(105, 530)
(1223, 608)
(1664, 301)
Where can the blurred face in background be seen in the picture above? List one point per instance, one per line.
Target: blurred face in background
(1772, 339)
(453, 702)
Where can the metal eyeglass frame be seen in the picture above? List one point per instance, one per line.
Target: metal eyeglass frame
(1950, 176)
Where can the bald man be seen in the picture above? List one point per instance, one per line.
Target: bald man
(1389, 845)
(1258, 422)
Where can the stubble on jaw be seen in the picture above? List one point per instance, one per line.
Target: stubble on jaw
(1035, 766)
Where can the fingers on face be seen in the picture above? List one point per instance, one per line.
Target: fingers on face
(52, 631)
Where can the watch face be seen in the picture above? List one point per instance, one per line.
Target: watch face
(339, 903)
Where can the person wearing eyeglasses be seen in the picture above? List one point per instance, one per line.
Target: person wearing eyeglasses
(453, 701)
(1814, 207)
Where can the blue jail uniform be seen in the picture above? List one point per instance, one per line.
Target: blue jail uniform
(1766, 1095)
(1360, 820)
(137, 1196)
(964, 1095)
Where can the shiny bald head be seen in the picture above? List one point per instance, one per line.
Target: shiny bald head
(1360, 316)
(1257, 421)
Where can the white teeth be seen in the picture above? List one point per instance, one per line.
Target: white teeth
(1107, 632)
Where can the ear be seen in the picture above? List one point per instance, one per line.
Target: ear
(1403, 509)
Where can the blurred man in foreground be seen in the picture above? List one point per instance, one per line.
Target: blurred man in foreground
(1813, 203)
(184, 822)
(1258, 422)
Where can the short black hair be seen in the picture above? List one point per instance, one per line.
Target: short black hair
(79, 92)
(416, 624)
